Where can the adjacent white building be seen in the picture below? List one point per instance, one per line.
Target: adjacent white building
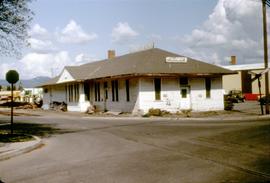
(139, 81)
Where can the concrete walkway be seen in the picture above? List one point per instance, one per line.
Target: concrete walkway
(8, 150)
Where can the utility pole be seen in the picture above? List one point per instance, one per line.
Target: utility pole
(265, 55)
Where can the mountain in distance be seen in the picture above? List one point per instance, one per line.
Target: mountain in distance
(28, 83)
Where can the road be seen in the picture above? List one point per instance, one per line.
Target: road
(150, 150)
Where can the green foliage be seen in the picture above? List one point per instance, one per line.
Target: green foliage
(156, 112)
(8, 88)
(41, 130)
(228, 103)
(20, 87)
(15, 17)
(187, 112)
(7, 138)
(12, 76)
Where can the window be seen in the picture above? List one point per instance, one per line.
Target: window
(70, 93)
(157, 83)
(76, 92)
(73, 93)
(208, 87)
(66, 90)
(127, 90)
(97, 91)
(184, 93)
(105, 86)
(115, 90)
(184, 81)
(87, 91)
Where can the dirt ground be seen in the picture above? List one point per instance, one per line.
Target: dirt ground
(248, 108)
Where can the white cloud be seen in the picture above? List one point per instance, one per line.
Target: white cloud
(5, 67)
(233, 28)
(37, 64)
(155, 37)
(44, 64)
(123, 33)
(84, 58)
(41, 46)
(41, 40)
(38, 31)
(73, 33)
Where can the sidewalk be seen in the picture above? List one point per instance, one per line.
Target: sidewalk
(8, 150)
(246, 110)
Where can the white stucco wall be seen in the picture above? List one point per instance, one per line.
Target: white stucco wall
(80, 106)
(122, 105)
(199, 101)
(142, 96)
(54, 93)
(171, 97)
(65, 77)
(58, 93)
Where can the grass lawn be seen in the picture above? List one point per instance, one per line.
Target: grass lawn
(8, 138)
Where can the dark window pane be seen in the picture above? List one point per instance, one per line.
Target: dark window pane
(116, 90)
(95, 91)
(98, 91)
(184, 81)
(208, 87)
(87, 91)
(112, 90)
(127, 90)
(184, 93)
(157, 82)
(106, 90)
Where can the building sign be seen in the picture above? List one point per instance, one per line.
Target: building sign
(176, 59)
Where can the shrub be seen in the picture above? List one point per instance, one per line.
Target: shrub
(154, 112)
(228, 103)
(186, 112)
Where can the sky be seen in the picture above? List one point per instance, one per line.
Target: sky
(73, 32)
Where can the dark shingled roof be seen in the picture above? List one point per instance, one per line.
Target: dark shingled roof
(151, 62)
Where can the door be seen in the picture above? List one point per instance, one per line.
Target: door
(185, 102)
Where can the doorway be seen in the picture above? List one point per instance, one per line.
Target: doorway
(185, 102)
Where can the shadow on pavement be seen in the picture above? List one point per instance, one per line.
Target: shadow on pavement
(41, 130)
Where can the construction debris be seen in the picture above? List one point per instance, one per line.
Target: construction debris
(58, 106)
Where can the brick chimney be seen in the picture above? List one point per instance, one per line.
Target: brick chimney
(233, 60)
(111, 54)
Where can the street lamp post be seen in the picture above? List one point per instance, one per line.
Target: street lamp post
(12, 77)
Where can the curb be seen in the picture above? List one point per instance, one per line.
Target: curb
(13, 151)
(237, 118)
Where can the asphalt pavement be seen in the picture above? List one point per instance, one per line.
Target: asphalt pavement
(132, 150)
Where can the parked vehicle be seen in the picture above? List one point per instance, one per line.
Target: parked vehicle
(236, 96)
(228, 103)
(264, 99)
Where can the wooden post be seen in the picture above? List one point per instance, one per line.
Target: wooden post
(265, 56)
(260, 92)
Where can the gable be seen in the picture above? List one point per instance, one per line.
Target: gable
(65, 77)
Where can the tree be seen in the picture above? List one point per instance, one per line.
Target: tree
(8, 88)
(20, 87)
(0, 87)
(15, 17)
(14, 87)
